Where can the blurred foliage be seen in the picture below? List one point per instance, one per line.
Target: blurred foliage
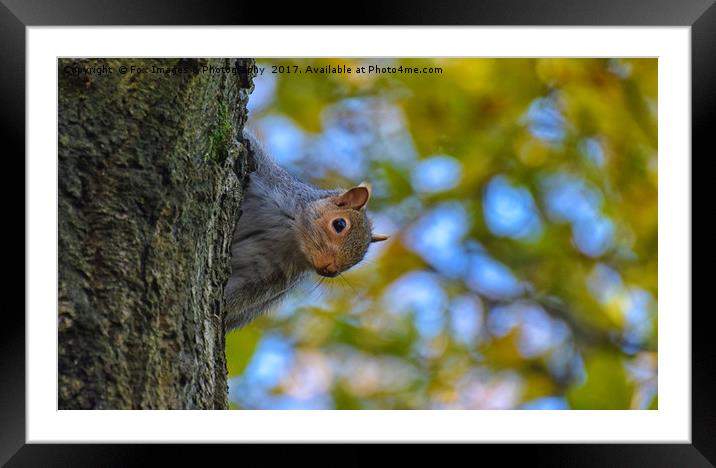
(521, 200)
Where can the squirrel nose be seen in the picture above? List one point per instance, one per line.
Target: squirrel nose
(328, 270)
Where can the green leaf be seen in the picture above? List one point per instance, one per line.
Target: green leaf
(654, 403)
(240, 346)
(606, 386)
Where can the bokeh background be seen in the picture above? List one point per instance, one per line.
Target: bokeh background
(521, 273)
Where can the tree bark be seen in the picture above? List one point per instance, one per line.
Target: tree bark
(150, 182)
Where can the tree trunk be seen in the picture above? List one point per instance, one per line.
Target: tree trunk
(150, 185)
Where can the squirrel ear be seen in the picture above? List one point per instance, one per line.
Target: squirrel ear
(367, 186)
(378, 238)
(355, 198)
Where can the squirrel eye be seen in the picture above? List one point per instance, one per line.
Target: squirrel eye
(339, 224)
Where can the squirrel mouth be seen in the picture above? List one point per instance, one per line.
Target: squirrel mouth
(326, 272)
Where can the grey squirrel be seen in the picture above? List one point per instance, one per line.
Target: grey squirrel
(286, 229)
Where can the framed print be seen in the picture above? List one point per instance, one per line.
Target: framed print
(424, 231)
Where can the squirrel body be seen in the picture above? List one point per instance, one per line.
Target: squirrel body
(286, 229)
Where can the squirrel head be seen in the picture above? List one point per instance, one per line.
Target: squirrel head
(334, 232)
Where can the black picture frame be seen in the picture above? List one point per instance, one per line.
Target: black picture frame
(16, 15)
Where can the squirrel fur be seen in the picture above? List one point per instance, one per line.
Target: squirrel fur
(285, 230)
